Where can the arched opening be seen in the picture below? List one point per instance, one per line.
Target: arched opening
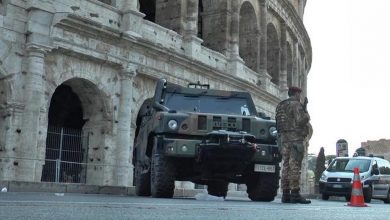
(273, 53)
(64, 142)
(148, 7)
(65, 109)
(78, 130)
(289, 65)
(248, 35)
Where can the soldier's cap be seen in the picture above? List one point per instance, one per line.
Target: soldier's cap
(294, 89)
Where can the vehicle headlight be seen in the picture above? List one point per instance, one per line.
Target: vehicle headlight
(323, 178)
(273, 131)
(172, 124)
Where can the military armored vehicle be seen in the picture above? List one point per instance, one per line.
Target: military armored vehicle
(210, 137)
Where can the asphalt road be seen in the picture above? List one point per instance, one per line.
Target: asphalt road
(90, 206)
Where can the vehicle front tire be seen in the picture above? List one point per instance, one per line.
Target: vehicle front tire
(324, 196)
(263, 186)
(142, 181)
(218, 188)
(162, 175)
(348, 198)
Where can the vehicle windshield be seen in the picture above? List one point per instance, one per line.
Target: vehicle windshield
(348, 165)
(232, 105)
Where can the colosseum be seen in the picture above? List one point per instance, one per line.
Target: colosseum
(73, 74)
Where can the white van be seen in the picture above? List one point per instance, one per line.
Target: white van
(337, 179)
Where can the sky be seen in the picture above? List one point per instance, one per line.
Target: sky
(349, 79)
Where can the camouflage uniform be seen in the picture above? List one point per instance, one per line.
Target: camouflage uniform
(293, 128)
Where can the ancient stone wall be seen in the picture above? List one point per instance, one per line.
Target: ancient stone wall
(110, 54)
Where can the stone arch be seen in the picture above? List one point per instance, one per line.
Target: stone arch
(248, 34)
(290, 61)
(148, 7)
(273, 53)
(140, 94)
(77, 107)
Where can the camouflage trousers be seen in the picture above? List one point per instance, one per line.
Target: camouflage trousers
(292, 153)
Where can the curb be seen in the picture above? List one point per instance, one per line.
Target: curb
(22, 186)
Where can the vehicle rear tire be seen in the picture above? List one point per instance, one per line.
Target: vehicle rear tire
(162, 176)
(324, 196)
(218, 188)
(142, 181)
(263, 186)
(367, 194)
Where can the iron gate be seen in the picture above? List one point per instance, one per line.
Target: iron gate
(66, 153)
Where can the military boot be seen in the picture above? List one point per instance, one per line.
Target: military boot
(297, 198)
(286, 196)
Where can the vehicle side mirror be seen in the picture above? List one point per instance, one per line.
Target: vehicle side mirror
(375, 170)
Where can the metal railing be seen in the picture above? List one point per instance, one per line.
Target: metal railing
(64, 172)
(60, 171)
(66, 153)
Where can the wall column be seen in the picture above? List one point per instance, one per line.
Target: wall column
(295, 60)
(192, 44)
(236, 64)
(283, 61)
(124, 142)
(234, 31)
(32, 130)
(262, 64)
(131, 19)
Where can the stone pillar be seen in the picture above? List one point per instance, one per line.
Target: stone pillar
(235, 31)
(263, 38)
(295, 72)
(171, 14)
(236, 64)
(216, 27)
(132, 19)
(264, 77)
(192, 44)
(283, 61)
(32, 130)
(191, 19)
(124, 142)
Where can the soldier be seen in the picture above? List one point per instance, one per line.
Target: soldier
(294, 129)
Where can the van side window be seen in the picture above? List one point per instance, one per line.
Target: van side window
(384, 167)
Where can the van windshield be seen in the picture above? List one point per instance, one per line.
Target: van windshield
(348, 165)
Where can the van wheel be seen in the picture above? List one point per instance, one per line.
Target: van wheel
(325, 196)
(367, 195)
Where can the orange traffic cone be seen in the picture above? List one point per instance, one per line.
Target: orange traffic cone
(357, 198)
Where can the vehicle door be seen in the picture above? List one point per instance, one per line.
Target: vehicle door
(381, 186)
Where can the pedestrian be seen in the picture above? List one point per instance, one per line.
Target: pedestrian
(294, 130)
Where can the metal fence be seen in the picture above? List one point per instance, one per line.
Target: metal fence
(66, 156)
